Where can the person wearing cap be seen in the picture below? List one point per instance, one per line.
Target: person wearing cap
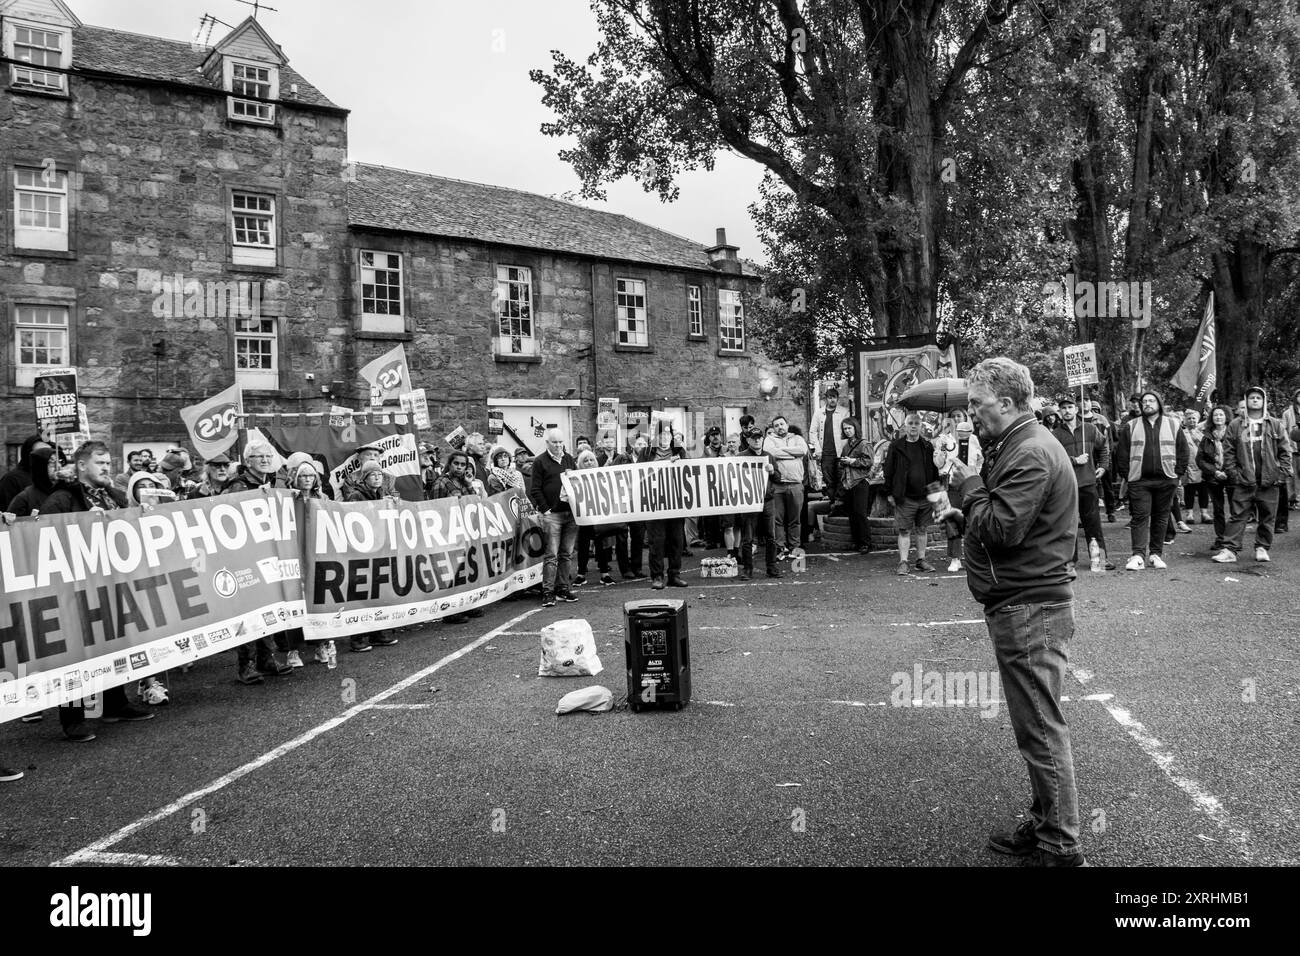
(749, 523)
(524, 462)
(1089, 453)
(429, 469)
(1151, 453)
(826, 439)
(177, 468)
(216, 475)
(372, 453)
(1257, 460)
(502, 473)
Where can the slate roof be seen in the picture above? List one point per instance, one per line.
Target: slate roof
(153, 58)
(405, 201)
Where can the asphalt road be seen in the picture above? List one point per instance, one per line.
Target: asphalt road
(1183, 712)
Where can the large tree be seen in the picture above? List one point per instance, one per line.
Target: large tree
(847, 103)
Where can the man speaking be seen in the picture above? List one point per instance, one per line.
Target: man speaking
(1020, 516)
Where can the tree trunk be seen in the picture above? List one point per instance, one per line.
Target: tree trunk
(1238, 276)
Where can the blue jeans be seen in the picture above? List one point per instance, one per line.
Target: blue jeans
(1031, 644)
(557, 566)
(787, 503)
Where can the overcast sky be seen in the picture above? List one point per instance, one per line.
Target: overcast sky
(428, 92)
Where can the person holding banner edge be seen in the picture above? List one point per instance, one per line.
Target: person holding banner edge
(91, 490)
(667, 536)
(546, 491)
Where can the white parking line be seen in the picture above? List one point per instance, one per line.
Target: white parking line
(1161, 756)
(91, 852)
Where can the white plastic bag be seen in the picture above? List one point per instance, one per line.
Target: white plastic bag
(596, 699)
(568, 650)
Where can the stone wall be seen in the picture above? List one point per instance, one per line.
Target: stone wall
(151, 170)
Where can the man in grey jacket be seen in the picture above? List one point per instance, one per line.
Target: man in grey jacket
(1020, 517)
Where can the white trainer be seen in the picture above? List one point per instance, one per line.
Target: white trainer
(1225, 556)
(1158, 562)
(1261, 554)
(293, 659)
(954, 564)
(1135, 563)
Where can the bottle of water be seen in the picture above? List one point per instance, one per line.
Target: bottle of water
(331, 656)
(1094, 550)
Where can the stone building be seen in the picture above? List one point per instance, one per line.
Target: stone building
(177, 217)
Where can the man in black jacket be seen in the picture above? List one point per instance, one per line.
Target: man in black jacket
(1020, 516)
(546, 491)
(20, 476)
(1089, 452)
(92, 490)
(909, 468)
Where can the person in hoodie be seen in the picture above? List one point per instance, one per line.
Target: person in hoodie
(18, 478)
(1020, 519)
(1256, 459)
(1290, 422)
(1150, 454)
(44, 463)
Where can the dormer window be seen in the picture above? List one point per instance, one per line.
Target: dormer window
(35, 47)
(250, 85)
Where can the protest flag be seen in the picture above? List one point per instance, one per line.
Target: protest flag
(1197, 376)
(389, 373)
(214, 424)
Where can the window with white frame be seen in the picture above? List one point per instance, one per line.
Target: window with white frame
(632, 328)
(249, 85)
(252, 229)
(731, 321)
(257, 353)
(695, 310)
(38, 46)
(40, 340)
(381, 292)
(40, 208)
(514, 305)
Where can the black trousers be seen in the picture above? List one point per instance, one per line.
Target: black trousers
(1090, 518)
(667, 539)
(1221, 500)
(1107, 485)
(1149, 502)
(749, 528)
(858, 498)
(114, 703)
(1280, 524)
(636, 547)
(1197, 494)
(831, 475)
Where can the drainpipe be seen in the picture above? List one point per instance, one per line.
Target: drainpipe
(595, 344)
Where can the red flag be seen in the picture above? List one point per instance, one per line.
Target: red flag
(1197, 375)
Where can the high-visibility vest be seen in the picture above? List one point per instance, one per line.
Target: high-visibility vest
(1168, 446)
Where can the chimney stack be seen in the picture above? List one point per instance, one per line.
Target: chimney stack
(722, 256)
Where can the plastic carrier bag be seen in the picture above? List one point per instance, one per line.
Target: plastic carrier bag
(568, 650)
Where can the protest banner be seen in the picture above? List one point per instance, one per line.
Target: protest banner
(368, 565)
(456, 438)
(416, 405)
(95, 600)
(496, 422)
(340, 417)
(693, 488)
(57, 409)
(336, 448)
(214, 424)
(1081, 364)
(607, 413)
(389, 373)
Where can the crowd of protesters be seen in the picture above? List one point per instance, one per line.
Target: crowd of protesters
(1235, 468)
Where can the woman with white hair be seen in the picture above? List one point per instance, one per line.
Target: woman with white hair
(258, 470)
